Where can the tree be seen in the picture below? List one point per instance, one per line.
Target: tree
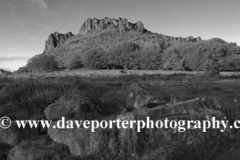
(43, 62)
(203, 55)
(198, 60)
(74, 62)
(94, 59)
(150, 59)
(175, 57)
(122, 55)
(217, 40)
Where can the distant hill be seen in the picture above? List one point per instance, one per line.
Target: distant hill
(117, 43)
(4, 72)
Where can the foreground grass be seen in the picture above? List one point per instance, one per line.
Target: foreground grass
(27, 99)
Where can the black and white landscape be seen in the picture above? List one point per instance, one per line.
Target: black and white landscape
(128, 60)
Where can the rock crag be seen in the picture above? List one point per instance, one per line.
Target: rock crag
(55, 39)
(121, 25)
(187, 39)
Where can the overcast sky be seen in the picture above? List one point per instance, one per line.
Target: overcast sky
(26, 24)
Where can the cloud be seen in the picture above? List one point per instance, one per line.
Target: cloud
(13, 59)
(39, 3)
(12, 63)
(6, 69)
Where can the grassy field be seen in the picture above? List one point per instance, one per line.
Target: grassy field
(113, 73)
(28, 97)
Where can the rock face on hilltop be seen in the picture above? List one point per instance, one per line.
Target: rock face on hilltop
(56, 39)
(121, 25)
(187, 39)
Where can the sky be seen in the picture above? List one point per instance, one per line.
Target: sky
(26, 24)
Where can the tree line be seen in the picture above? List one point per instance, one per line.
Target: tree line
(208, 55)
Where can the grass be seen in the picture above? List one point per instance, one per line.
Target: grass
(27, 99)
(32, 96)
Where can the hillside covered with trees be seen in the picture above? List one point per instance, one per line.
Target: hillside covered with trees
(132, 48)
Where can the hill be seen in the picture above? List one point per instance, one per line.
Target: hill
(4, 72)
(116, 43)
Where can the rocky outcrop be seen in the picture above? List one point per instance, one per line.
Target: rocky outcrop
(140, 97)
(121, 25)
(63, 107)
(13, 135)
(81, 141)
(56, 39)
(198, 109)
(68, 106)
(187, 39)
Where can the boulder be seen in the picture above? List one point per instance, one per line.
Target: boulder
(140, 97)
(81, 141)
(13, 135)
(196, 109)
(40, 149)
(68, 106)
